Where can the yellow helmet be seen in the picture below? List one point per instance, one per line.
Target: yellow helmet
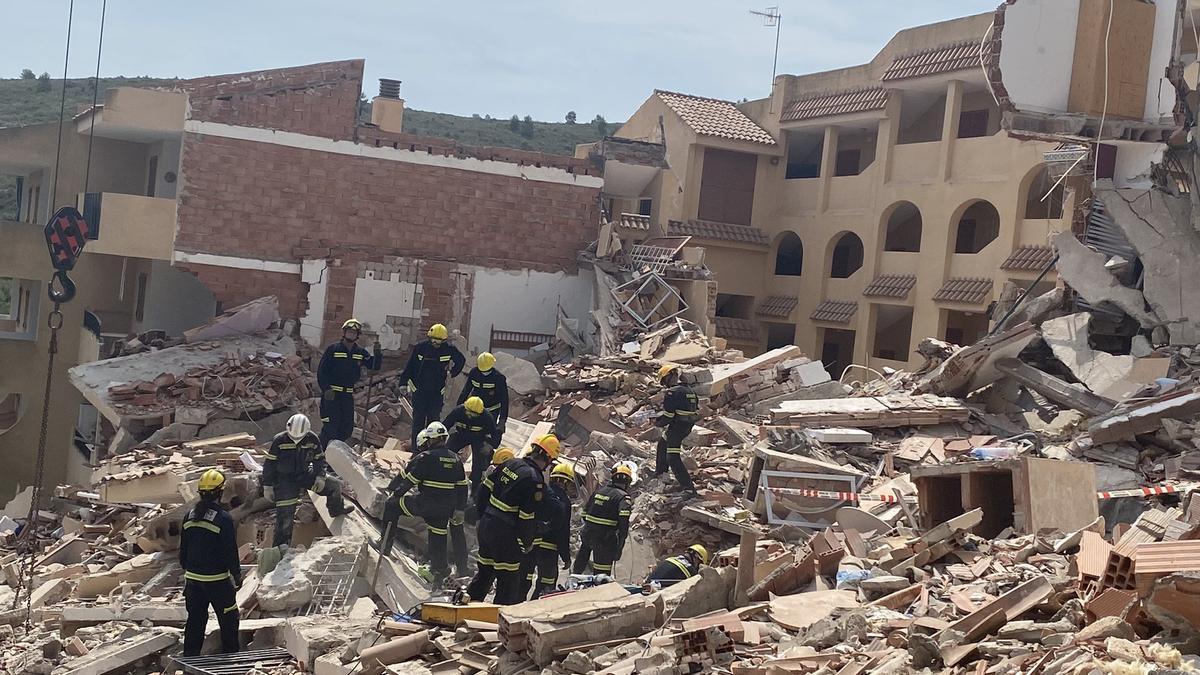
(352, 324)
(473, 404)
(502, 455)
(666, 369)
(438, 332)
(700, 551)
(623, 470)
(211, 480)
(548, 443)
(485, 361)
(564, 471)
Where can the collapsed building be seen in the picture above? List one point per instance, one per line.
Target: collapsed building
(1016, 495)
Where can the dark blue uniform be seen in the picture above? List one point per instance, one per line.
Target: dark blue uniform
(212, 574)
(680, 407)
(339, 370)
(476, 430)
(426, 370)
(506, 529)
(552, 544)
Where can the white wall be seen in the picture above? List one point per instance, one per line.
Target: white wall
(1134, 159)
(377, 299)
(524, 301)
(1160, 94)
(1038, 53)
(175, 300)
(315, 274)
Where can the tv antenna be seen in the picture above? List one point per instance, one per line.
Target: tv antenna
(772, 17)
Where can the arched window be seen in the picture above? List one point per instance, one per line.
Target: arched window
(903, 231)
(847, 256)
(789, 257)
(978, 227)
(1052, 205)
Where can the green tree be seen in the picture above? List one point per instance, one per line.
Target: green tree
(514, 124)
(571, 117)
(27, 74)
(601, 125)
(43, 82)
(527, 127)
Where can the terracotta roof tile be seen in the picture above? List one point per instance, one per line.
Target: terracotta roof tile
(944, 59)
(779, 306)
(834, 311)
(710, 229)
(737, 330)
(633, 221)
(714, 117)
(1029, 258)
(971, 291)
(891, 286)
(839, 103)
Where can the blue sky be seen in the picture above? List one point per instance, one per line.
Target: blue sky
(533, 57)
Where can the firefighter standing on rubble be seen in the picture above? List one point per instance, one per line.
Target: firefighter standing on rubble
(605, 524)
(425, 376)
(470, 424)
(340, 369)
(441, 497)
(208, 554)
(553, 542)
(491, 386)
(296, 463)
(680, 407)
(680, 567)
(506, 528)
(479, 499)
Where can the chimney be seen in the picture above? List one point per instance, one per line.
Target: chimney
(387, 109)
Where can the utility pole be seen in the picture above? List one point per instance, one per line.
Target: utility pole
(772, 17)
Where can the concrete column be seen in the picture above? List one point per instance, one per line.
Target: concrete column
(828, 165)
(954, 92)
(889, 129)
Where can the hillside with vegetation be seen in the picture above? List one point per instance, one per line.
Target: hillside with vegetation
(32, 99)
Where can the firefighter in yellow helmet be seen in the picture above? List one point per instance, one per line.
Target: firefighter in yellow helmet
(490, 386)
(470, 424)
(507, 527)
(212, 573)
(425, 376)
(553, 542)
(606, 523)
(680, 567)
(680, 407)
(340, 369)
(479, 499)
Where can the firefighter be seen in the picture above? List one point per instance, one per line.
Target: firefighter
(680, 567)
(425, 376)
(441, 484)
(490, 385)
(479, 498)
(680, 407)
(341, 367)
(470, 424)
(553, 542)
(296, 463)
(208, 554)
(506, 528)
(605, 524)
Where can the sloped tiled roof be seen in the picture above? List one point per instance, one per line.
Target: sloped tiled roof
(737, 330)
(714, 117)
(944, 59)
(840, 103)
(778, 306)
(710, 229)
(633, 221)
(973, 291)
(834, 311)
(891, 286)
(1029, 258)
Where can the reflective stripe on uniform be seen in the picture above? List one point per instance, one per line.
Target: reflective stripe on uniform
(507, 567)
(548, 545)
(549, 580)
(444, 358)
(501, 505)
(486, 562)
(202, 523)
(270, 456)
(357, 357)
(525, 516)
(196, 576)
(404, 507)
(438, 530)
(599, 521)
(437, 484)
(341, 355)
(687, 573)
(338, 387)
(288, 502)
(602, 568)
(675, 451)
(231, 608)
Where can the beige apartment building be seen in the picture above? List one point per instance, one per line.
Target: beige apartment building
(856, 211)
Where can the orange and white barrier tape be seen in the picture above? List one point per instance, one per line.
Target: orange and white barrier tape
(1150, 491)
(840, 496)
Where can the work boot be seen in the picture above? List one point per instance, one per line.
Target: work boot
(338, 507)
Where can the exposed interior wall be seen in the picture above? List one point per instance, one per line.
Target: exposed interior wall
(383, 298)
(921, 117)
(525, 301)
(1038, 53)
(965, 328)
(855, 151)
(1160, 93)
(727, 186)
(313, 275)
(175, 300)
(1112, 58)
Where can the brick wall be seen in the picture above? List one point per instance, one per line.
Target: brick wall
(233, 287)
(375, 137)
(319, 99)
(258, 200)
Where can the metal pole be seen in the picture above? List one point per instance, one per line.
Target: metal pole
(387, 532)
(775, 63)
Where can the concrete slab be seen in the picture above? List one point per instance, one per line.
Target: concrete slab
(1067, 337)
(1083, 270)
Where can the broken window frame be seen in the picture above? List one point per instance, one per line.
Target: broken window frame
(636, 287)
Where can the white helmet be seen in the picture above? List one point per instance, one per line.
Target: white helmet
(298, 426)
(436, 430)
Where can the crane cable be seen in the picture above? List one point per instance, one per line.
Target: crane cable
(55, 319)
